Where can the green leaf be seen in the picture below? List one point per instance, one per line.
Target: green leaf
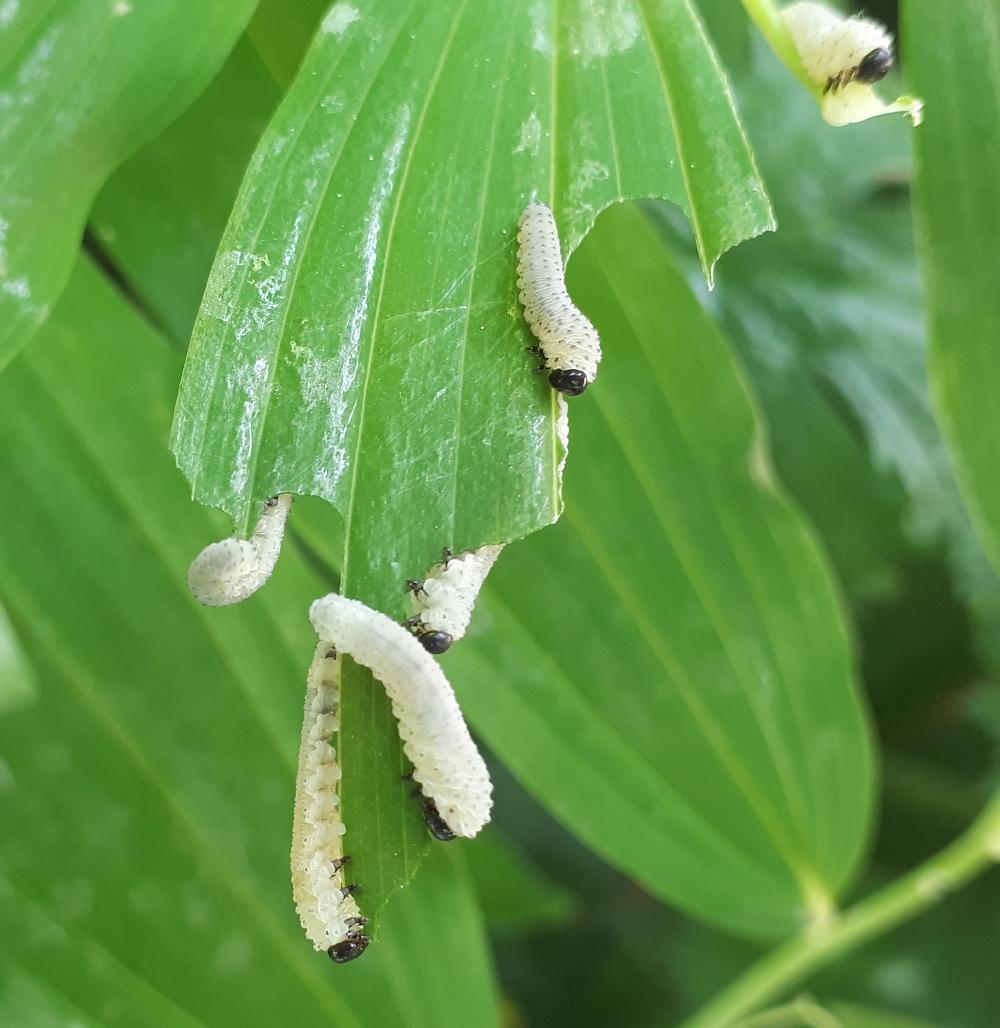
(160, 216)
(516, 897)
(954, 56)
(82, 85)
(144, 861)
(17, 685)
(667, 669)
(359, 338)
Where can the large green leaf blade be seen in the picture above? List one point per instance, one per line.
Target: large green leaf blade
(359, 338)
(371, 250)
(667, 669)
(954, 57)
(144, 862)
(83, 85)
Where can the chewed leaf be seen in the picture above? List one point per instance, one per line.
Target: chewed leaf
(360, 337)
(362, 310)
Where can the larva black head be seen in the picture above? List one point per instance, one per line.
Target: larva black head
(570, 383)
(435, 822)
(435, 642)
(350, 949)
(874, 66)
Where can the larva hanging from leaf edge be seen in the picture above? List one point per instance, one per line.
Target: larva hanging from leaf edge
(232, 570)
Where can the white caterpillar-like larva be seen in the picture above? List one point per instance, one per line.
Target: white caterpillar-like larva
(231, 570)
(835, 50)
(444, 600)
(447, 766)
(567, 342)
(329, 915)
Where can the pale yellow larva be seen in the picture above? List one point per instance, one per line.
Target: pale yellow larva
(445, 598)
(232, 570)
(446, 763)
(836, 50)
(327, 911)
(567, 342)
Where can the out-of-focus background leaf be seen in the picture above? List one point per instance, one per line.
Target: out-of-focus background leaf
(82, 86)
(958, 216)
(147, 788)
(716, 639)
(826, 315)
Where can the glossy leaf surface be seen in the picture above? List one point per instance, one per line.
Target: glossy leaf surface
(667, 668)
(359, 338)
(954, 54)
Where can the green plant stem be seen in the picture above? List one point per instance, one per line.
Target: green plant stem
(766, 15)
(957, 864)
(802, 1012)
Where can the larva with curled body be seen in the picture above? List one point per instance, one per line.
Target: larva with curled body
(567, 342)
(444, 600)
(232, 570)
(446, 764)
(836, 50)
(326, 907)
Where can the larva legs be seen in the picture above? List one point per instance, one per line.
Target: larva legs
(445, 599)
(329, 915)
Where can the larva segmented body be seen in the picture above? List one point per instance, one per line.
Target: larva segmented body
(446, 763)
(836, 50)
(232, 570)
(329, 916)
(567, 342)
(444, 600)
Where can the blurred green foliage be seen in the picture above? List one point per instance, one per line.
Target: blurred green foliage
(665, 679)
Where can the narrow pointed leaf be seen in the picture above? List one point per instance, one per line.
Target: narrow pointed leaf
(953, 52)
